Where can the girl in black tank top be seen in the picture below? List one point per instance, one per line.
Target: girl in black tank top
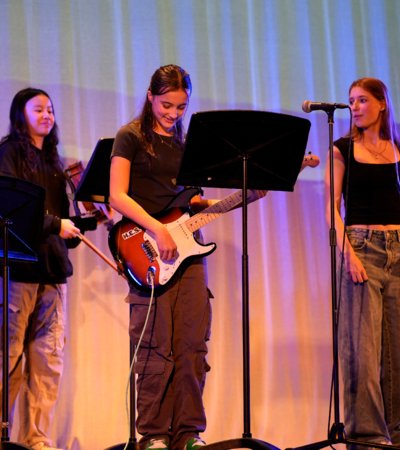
(366, 177)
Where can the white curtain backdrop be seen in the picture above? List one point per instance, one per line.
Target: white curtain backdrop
(95, 58)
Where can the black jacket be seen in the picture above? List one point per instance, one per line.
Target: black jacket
(53, 264)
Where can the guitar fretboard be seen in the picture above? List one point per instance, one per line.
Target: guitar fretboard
(212, 212)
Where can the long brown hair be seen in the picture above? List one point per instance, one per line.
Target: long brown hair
(388, 129)
(165, 79)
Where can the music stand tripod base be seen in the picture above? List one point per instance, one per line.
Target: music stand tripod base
(130, 446)
(331, 442)
(251, 443)
(13, 446)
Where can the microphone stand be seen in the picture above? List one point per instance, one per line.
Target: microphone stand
(337, 433)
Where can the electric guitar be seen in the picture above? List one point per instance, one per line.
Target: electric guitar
(136, 252)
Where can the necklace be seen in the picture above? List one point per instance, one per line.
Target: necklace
(168, 141)
(374, 153)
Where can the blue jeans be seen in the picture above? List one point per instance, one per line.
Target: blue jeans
(369, 339)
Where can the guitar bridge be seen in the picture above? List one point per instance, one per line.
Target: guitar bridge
(149, 251)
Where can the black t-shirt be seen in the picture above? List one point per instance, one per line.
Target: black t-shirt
(373, 191)
(152, 178)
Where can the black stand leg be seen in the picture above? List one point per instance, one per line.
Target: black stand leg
(243, 442)
(132, 443)
(13, 446)
(333, 441)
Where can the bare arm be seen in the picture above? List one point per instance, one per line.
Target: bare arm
(352, 262)
(120, 200)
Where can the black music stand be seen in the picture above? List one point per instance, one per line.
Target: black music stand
(94, 186)
(247, 150)
(21, 219)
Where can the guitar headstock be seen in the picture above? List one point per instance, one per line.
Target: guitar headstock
(310, 160)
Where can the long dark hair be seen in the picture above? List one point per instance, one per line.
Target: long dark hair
(164, 79)
(19, 131)
(378, 89)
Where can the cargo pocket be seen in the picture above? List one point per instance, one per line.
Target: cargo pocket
(139, 310)
(150, 367)
(16, 334)
(152, 379)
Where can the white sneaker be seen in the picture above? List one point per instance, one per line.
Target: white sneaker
(156, 444)
(44, 446)
(194, 443)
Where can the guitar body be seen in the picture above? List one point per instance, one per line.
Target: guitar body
(136, 252)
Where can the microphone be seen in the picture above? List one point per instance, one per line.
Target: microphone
(309, 106)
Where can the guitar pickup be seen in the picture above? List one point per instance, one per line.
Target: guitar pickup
(149, 250)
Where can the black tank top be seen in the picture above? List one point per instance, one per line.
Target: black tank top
(373, 190)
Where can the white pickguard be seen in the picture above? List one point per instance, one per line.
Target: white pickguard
(186, 244)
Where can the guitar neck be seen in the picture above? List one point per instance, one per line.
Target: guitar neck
(212, 212)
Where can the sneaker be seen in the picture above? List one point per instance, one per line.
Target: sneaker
(194, 444)
(44, 446)
(156, 444)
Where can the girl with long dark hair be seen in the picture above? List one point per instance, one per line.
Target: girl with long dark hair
(37, 291)
(171, 360)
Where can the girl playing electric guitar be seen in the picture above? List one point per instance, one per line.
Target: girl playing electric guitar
(171, 361)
